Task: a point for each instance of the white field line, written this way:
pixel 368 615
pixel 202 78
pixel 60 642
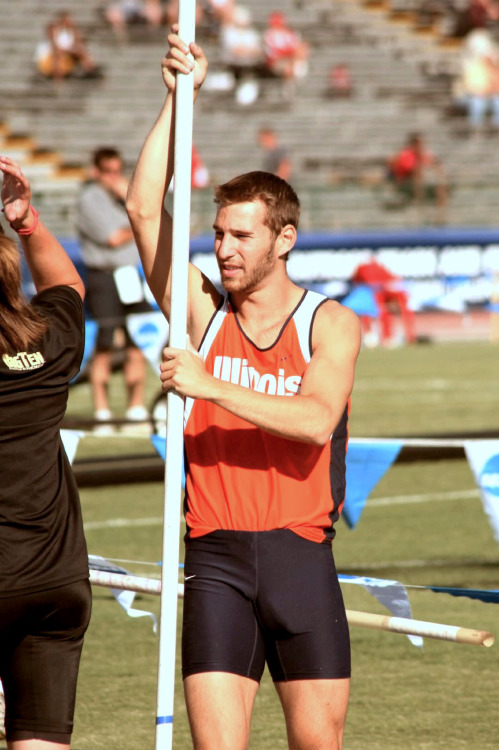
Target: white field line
pixel 379 502
pixel 120 523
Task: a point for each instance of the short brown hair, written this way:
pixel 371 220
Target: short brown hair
pixel 280 200
pixel 105 153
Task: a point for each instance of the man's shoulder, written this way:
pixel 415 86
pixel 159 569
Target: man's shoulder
pixel 92 191
pixel 334 315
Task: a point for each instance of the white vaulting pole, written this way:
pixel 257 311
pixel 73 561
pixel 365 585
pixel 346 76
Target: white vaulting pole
pixel 175 404
pixel 420 627
pixel 388 623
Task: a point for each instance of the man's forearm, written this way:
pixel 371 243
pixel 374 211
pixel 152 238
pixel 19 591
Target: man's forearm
pixel 303 418
pixel 298 417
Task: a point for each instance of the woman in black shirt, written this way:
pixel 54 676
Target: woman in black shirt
pixel 45 598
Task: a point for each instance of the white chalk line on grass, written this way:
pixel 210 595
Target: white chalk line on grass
pixel 379 502
pixel 121 523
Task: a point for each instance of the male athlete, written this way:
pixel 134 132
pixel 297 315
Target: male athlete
pixel 267 396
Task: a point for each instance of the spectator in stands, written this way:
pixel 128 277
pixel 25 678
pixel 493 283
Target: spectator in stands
pixel 122 13
pixel 64 51
pixel 390 297
pixel 479 82
pixel 286 53
pixel 221 10
pixel 242 52
pixel 200 177
pixel 339 81
pixel 418 175
pixel 276 158
pixel 478 14
pixel 170 15
pixel 114 288
pixel 210 14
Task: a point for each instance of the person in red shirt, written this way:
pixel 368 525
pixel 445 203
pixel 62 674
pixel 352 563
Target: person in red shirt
pixel 286 54
pixel 389 294
pixel 339 81
pixel 418 174
pixel 200 177
pixel 267 399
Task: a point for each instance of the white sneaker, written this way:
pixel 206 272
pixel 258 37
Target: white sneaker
pixel 103 415
pixel 139 417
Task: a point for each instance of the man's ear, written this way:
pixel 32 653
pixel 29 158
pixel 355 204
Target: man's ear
pixel 286 240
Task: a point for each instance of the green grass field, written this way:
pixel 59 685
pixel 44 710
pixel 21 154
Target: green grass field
pixel 441 698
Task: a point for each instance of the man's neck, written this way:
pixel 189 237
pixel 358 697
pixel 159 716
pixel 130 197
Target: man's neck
pixel 262 313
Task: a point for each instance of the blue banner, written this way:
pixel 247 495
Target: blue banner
pixel 367 463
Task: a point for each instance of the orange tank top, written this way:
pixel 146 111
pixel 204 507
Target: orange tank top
pixel 240 477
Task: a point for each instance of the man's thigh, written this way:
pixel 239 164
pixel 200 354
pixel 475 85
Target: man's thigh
pixel 219 707
pixel 300 609
pixel 220 630
pixel 315 712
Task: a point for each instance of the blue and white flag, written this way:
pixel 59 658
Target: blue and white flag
pixel 367 462
pixel 392 594
pixel 483 457
pixel 123 597
pixel 70 440
pixel 149 331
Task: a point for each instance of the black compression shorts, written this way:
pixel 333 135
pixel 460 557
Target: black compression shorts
pixel 41 638
pixel 263 597
pixel 103 304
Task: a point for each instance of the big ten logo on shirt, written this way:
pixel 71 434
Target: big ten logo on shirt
pixel 24 361
pixel 236 370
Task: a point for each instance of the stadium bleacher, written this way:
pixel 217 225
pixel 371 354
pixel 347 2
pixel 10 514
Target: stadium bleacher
pixel 402 74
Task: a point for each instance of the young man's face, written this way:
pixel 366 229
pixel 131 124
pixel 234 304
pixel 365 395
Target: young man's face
pixel 244 246
pixel 109 171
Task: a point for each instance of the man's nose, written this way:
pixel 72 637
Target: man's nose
pixel 225 247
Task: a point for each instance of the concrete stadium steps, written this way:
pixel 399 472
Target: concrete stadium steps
pixel 393 95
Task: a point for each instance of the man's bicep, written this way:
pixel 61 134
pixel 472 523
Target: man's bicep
pixel 330 373
pixel 329 379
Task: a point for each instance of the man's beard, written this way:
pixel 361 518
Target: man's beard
pixel 250 281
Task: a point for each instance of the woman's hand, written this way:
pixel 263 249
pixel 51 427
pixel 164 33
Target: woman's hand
pixel 16 193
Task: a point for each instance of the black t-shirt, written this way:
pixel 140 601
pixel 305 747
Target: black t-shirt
pixel 41 531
